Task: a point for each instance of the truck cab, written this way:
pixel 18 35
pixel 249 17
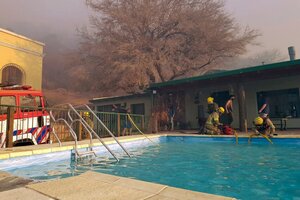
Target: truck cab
pixel 31 121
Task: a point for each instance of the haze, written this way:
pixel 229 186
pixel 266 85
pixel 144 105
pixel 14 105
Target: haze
pixel 277 20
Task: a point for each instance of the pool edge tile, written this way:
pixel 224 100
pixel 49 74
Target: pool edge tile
pixel 81 146
pixel 63 148
pixel 4 156
pixel 41 151
pixel 20 154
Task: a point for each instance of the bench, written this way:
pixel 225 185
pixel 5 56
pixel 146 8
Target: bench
pixel 280 122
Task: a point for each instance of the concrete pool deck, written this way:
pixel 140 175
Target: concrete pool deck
pixel 91 185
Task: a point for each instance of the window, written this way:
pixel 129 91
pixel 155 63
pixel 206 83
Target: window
pixel 283 103
pixel 30 103
pixel 6 100
pixel 138 109
pixel 12 75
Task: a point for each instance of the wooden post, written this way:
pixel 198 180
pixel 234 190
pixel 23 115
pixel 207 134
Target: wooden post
pixel 10 126
pixel 119 125
pixel 149 125
pixel 143 123
pixel 154 115
pixel 155 123
pixel 242 107
pixel 79 127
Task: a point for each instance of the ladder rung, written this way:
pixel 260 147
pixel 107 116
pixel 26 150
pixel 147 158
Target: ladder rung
pixel 86 153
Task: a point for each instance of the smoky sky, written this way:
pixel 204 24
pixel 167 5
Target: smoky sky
pixel 277 20
pixel 46 20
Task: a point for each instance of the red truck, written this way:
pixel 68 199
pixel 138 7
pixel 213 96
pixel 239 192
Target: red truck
pixel 31 120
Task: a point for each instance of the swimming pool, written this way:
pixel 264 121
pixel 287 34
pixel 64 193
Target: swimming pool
pixel 213 165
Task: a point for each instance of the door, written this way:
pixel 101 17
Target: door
pixel 221 97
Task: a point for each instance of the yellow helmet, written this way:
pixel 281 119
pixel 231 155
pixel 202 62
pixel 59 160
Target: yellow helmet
pixel 210 100
pixel 221 110
pixel 86 114
pixel 258 121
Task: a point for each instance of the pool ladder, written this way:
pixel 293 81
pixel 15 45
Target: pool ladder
pixel 69 124
pixel 92 132
pixel 90 152
pixel 73 134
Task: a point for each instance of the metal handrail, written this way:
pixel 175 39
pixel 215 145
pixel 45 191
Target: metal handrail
pixel 85 127
pixel 105 127
pixel 95 134
pixel 53 130
pixel 71 130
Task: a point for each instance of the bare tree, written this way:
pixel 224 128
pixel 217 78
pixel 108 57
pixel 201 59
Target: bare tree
pixel 136 42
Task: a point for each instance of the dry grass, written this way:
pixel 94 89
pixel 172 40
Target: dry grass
pixel 60 96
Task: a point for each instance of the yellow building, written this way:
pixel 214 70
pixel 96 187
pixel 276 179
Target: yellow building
pixel 21 60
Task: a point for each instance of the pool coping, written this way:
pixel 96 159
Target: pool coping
pixel 51 148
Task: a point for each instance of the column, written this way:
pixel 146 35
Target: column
pixel 242 107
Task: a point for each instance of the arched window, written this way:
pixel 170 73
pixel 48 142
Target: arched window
pixel 12 75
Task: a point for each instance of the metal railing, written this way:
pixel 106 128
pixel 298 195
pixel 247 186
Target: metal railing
pixel 28 125
pixel 117 122
pixel 105 127
pixel 90 129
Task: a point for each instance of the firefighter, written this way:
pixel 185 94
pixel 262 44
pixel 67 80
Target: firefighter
pixel 211 105
pixel 263 125
pixel 212 124
pixel 87 118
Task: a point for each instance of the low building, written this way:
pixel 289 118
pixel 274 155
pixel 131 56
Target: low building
pixel 280 82
pixel 21 60
pixel 139 104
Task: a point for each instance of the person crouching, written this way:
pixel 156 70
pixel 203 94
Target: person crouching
pixel 263 125
pixel 212 124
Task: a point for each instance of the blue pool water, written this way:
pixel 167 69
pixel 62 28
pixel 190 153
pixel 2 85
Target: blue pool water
pixel 213 165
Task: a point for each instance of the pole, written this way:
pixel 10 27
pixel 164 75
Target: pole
pixel 242 107
pixel 79 129
pixel 10 126
pixel 119 125
pixel 143 123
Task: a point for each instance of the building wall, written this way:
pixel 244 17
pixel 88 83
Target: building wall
pixel 251 89
pixel 23 53
pixel 267 85
pixel 203 93
pixel 146 100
